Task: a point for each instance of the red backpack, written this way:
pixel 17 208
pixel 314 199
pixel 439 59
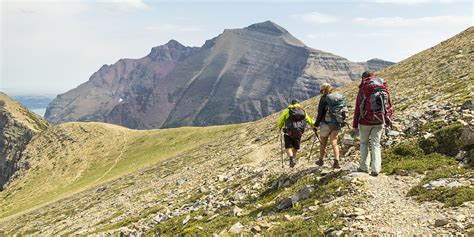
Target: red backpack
pixel 375 105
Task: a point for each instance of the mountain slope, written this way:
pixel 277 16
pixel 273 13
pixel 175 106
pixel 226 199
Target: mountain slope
pixel 17 126
pixel 198 190
pixel 241 75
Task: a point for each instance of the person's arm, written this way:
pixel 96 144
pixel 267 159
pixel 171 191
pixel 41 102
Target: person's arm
pixel 283 118
pixel 309 120
pixel 321 111
pixel 355 121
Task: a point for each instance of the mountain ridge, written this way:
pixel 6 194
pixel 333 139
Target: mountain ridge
pixel 238 76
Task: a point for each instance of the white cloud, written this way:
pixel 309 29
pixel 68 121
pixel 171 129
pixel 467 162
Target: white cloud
pixel 401 21
pixel 316 17
pixel 123 5
pixel 173 28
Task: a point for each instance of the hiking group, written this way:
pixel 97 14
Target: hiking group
pixel 372 113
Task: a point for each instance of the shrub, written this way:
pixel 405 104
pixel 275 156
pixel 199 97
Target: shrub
pixel 448 139
pixel 408 149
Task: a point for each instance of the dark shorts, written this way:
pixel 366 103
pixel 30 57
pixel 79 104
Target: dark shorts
pixel 292 142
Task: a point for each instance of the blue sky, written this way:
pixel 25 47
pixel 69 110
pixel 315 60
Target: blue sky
pixel 53 46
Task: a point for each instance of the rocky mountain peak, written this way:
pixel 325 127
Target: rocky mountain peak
pixel 168 52
pixel 267 27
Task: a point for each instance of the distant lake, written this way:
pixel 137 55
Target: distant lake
pixel 40 112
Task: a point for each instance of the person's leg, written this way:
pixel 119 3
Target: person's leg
pixel 335 148
pixel 364 131
pixel 289 152
pixel 322 147
pixel 376 153
pixel 324 134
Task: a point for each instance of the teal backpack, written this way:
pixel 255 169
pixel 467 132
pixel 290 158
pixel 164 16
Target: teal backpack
pixel 337 112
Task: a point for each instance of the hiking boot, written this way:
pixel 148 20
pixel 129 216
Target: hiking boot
pixel 335 165
pixel 292 162
pixel 320 162
pixel 375 174
pixel 361 170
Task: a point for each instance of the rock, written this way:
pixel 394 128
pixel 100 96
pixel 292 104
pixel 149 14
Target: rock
pixel 354 175
pixel 286 203
pixel 256 229
pixel 281 182
pixel 350 166
pixel 101 189
pixel 348 140
pixel 238 197
pixel 460 218
pixel 222 178
pixel 441 222
pixel 401 172
pixel 256 186
pixel 181 180
pixel 393 133
pixel 236 211
pixel 162 217
pixel 329 198
pixel 461 155
pixel 358 212
pixel 443 182
pixel 186 219
pixel 288 217
pixel 313 208
pixel 237 228
pixel 458 226
pixel 467 136
pixel 203 190
pixel 468 104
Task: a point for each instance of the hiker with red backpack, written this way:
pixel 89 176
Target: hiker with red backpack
pixel 293 123
pixel 332 113
pixel 372 114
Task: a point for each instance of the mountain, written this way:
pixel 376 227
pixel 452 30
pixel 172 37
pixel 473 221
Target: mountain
pixel 241 75
pixel 99 179
pixel 18 125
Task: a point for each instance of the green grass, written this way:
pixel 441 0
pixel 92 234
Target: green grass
pixel 83 164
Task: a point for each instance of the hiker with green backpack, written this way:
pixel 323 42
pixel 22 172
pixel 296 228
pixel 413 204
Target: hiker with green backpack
pixel 292 124
pixel 332 113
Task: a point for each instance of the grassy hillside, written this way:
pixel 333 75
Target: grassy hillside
pixel 212 169
pixel 72 157
pixel 22 114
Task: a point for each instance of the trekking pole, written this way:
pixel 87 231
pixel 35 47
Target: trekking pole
pixel 312 145
pixel 281 148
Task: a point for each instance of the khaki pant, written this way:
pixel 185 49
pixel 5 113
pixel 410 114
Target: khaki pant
pixel 370 134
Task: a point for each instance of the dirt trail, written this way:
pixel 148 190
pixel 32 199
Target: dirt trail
pixel 124 141
pixel 389 210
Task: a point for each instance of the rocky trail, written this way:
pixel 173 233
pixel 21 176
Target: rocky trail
pixel 388 210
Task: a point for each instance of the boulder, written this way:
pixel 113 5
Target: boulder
pixel 237 228
pixel 467 136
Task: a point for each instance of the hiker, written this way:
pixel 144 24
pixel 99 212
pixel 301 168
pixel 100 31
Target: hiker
pixel 372 114
pixel 332 112
pixel 293 122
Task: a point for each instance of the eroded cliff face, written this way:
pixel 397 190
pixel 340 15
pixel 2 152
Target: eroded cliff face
pixel 17 127
pixel 241 75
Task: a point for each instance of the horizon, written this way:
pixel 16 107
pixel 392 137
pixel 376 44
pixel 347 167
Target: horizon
pixel 89 34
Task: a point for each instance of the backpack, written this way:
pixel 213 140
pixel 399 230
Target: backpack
pixel 337 111
pixel 296 122
pixel 375 105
